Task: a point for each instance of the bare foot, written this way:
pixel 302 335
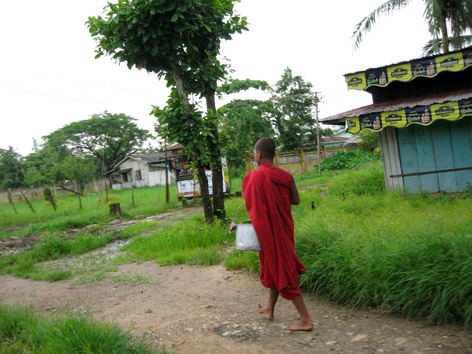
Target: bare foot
pixel 301 325
pixel 265 311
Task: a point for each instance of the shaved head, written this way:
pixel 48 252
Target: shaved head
pixel 266 146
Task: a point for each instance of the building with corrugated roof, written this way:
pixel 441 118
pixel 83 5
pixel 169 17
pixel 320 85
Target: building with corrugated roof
pixel 422 110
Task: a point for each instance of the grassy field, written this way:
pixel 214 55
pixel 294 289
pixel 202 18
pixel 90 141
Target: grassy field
pixel 407 254
pixel 69 215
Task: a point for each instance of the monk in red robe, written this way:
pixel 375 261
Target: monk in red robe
pixel 269 192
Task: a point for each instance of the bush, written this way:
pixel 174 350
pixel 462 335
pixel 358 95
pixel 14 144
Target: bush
pixel 367 179
pixel 348 159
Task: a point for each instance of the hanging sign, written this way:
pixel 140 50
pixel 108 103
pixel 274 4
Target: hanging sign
pixel 405 72
pixel 422 115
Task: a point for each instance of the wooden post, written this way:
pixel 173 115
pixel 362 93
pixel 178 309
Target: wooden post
pixel 115 209
pixel 302 161
pixel 277 159
pixel 324 153
pixel 248 162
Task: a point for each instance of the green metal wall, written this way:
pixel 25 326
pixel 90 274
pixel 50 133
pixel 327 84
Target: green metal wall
pixel 441 146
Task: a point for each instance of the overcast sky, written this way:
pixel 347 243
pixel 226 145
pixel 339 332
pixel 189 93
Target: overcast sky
pixel 49 77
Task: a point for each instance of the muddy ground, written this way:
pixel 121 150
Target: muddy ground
pixel 196 309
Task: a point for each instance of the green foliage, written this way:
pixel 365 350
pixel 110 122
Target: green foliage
pixel 370 140
pixel 176 39
pixel 22 330
pixel 348 159
pixel 439 14
pixel 245 122
pixel 295 121
pixel 11 169
pixel 367 179
pixel 106 137
pixel 236 85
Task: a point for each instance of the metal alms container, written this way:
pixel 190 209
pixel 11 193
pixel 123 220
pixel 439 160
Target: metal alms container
pixel 246 238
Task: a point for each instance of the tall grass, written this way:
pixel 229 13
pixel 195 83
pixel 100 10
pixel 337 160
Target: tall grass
pixel 22 330
pixel 405 254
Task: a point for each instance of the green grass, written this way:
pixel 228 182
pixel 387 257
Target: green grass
pixel 24 331
pixel 188 242
pixel 70 216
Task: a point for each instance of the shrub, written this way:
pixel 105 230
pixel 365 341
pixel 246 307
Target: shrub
pixel 348 159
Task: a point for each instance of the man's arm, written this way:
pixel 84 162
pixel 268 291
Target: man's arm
pixel 294 197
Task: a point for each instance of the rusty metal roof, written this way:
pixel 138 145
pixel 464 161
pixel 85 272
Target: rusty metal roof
pixel 396 105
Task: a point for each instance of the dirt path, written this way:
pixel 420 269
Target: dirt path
pixel 211 310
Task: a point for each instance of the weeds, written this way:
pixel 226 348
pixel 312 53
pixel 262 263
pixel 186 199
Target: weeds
pixel 21 330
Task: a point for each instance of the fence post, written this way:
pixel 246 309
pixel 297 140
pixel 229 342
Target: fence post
pixel 248 162
pixel 277 158
pixel 302 161
pixel 324 152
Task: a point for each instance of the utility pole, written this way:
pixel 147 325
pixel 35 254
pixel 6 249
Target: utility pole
pixel 166 171
pixel 318 143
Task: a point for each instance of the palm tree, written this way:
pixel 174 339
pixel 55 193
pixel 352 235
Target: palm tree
pixel 440 15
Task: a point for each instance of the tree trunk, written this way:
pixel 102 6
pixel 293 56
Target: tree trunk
pixel 445 37
pixel 206 200
pixel 204 192
pixel 217 175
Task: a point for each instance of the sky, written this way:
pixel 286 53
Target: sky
pixel 49 76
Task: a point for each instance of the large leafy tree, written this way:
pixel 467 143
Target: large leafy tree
pixel 439 14
pixel 245 121
pixel 294 121
pixel 179 40
pixel 11 169
pixel 105 136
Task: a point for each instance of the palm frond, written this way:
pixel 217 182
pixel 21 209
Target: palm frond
pixel 434 46
pixel 365 25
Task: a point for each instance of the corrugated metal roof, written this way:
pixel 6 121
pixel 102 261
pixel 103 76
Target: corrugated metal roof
pixel 409 61
pixel 149 158
pixel 393 106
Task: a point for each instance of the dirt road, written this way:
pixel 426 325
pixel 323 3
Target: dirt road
pixel 211 310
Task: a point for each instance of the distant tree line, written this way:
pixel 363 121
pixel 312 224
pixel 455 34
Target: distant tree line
pixel 80 152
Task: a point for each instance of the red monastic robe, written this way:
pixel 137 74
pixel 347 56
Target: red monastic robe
pixel 267 194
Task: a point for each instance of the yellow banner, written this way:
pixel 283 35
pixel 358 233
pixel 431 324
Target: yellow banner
pixel 422 115
pixel 400 72
pixel 451 62
pixel 405 72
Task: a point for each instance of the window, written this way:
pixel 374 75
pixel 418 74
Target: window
pixel 138 175
pixel 125 177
